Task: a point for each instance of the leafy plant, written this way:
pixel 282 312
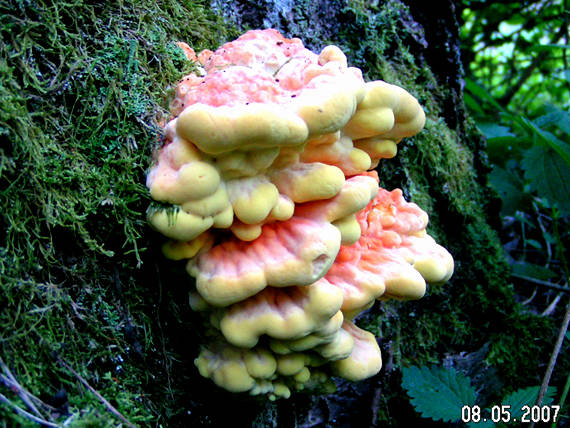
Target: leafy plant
pixel 518 52
pixel 531 173
pixel 440 393
pixel 518 55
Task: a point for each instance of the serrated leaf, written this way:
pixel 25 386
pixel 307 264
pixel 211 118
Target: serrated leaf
pixel 532 270
pixel 556 117
pixel 438 393
pixel 526 397
pixel 561 147
pixel 546 138
pixel 549 175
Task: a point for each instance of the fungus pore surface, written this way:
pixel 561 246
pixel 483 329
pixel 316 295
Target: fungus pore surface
pixel 267 193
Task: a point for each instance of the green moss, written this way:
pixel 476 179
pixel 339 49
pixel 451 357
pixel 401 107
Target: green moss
pixel 519 368
pixel 83 90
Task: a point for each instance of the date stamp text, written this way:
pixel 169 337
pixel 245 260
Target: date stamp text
pixel 506 414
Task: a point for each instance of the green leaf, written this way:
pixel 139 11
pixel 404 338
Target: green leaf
pixel 517 19
pixel 500 149
pixel 549 175
pixel 534 243
pixel 477 90
pixel 494 130
pixel 561 147
pixel 526 397
pixel 549 47
pixel 548 139
pixel 502 144
pixel 532 270
pixel 522 218
pixel 548 237
pixel 438 393
pixel 509 187
pixel 556 117
pixel 472 103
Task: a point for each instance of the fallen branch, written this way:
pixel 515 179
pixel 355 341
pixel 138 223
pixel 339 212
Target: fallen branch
pixel 102 399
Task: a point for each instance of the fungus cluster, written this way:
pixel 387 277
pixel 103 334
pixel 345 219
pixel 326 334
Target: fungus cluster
pixel 277 213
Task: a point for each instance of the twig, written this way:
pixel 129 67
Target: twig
pixel 10 381
pixel 553 357
pixel 543 229
pixel 552 306
pixel 103 400
pixel 543 283
pixel 527 301
pixel 18 390
pixel 28 415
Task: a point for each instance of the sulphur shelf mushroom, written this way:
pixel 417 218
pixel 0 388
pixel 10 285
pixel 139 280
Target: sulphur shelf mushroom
pixel 267 193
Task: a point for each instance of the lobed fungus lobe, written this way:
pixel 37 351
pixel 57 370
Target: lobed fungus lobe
pixel 278 215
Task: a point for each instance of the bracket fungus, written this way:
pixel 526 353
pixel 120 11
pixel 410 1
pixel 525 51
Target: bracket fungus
pixel 268 165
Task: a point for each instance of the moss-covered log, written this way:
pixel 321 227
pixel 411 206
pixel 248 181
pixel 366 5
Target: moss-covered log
pixel 86 297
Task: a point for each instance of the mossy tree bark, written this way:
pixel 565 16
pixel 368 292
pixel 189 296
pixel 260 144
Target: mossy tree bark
pixel 83 282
